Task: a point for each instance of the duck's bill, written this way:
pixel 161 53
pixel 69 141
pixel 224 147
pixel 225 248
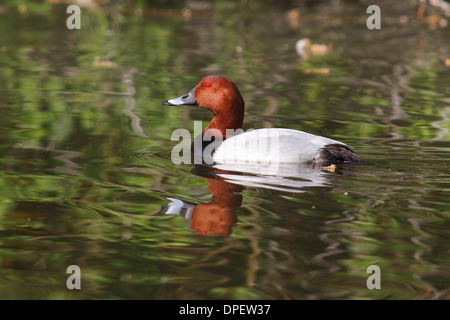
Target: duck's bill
pixel 188 99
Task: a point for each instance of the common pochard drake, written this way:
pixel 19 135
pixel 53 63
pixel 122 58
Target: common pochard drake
pixel 221 96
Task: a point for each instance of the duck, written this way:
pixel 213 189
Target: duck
pixel 221 96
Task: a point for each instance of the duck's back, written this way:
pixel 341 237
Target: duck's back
pixel 281 145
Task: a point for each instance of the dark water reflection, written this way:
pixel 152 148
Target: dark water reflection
pixel 85 154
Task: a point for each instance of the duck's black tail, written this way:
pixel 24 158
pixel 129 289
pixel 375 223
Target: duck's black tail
pixel 335 153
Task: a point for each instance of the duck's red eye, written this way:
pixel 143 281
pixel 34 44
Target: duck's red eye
pixel 208 85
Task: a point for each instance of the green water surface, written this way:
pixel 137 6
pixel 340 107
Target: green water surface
pixel 85 152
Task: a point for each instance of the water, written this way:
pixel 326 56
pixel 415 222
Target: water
pixel 85 154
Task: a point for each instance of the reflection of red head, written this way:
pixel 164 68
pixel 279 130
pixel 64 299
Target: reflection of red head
pixel 218 216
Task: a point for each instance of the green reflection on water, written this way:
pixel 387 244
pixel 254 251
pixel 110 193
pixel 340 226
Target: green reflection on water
pixel 85 154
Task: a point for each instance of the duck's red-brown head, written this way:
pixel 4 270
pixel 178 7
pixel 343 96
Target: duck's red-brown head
pixel 220 95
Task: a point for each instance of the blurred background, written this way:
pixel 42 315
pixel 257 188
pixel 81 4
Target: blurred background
pixel 86 176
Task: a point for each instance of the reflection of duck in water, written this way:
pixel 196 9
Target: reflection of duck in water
pixel 219 216
pixel 216 217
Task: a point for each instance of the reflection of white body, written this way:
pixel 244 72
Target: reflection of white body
pixel 289 177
